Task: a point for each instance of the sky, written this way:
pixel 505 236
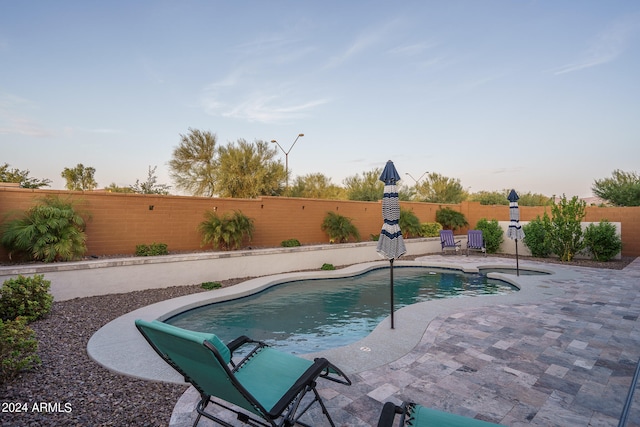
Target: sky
pixel 542 96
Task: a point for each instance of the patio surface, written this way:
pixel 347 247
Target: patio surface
pixel 561 352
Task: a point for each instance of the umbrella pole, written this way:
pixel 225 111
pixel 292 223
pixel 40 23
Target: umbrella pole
pixel 517 262
pixel 391 287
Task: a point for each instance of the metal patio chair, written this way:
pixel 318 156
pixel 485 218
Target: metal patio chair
pixel 447 241
pixel 475 242
pixel 266 386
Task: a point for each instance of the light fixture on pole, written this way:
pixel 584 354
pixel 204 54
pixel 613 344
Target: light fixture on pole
pixel 286 154
pixel 416 180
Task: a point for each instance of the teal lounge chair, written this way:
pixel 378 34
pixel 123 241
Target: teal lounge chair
pixel 475 242
pixel 267 386
pixel 447 241
pixel 415 415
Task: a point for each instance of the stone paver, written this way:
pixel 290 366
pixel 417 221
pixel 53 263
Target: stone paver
pixel 565 361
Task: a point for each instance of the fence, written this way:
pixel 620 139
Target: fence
pixel 118 222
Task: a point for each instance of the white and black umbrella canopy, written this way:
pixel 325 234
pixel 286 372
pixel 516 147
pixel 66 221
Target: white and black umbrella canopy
pixel 515 231
pixel 390 244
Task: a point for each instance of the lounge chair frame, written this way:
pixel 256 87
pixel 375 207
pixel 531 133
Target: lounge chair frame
pixel 447 241
pixel 414 415
pixel 212 360
pixel 476 242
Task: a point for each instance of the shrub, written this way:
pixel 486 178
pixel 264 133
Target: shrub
pixel 430 229
pixel 409 224
pixel 566 229
pixel 326 266
pixel 18 348
pixel 152 249
pixel 26 297
pixel 49 231
pixel 226 232
pixel 290 243
pixel 492 234
pixel 537 236
pixel 602 241
pixel 211 285
pixel 339 228
pixel 451 219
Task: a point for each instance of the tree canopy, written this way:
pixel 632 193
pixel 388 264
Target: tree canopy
pixel 437 188
pixel 367 187
pixel 193 163
pixel 316 186
pixel 8 174
pixel 622 189
pixel 79 178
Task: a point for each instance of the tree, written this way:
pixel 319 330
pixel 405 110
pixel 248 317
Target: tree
pixel 150 186
pixel 21 177
pixel 193 163
pixel 249 170
pixel 365 188
pixel 500 198
pixel 566 229
pixel 79 178
pixel 115 188
pixel 440 189
pixel 622 189
pixel 316 186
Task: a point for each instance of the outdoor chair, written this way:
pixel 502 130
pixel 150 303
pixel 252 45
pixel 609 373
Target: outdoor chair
pixel 447 241
pixel 475 241
pixel 414 415
pixel 265 388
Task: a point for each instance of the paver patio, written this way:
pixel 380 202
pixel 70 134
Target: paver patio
pixel 564 361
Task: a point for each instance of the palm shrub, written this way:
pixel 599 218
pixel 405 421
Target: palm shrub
pixel 451 219
pixel 18 348
pixel 226 232
pixel 537 236
pixel 26 297
pixel 49 231
pixel 339 228
pixel 492 234
pixel 602 241
pixel 409 224
pixel 566 228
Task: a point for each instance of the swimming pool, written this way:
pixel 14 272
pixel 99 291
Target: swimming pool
pixel 305 316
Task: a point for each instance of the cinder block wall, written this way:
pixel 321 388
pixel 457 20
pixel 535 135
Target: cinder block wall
pixel 119 222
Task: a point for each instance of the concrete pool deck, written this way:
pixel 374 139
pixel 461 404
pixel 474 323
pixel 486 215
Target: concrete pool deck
pixel 561 351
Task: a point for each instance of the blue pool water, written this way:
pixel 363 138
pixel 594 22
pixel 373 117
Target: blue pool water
pixel 312 315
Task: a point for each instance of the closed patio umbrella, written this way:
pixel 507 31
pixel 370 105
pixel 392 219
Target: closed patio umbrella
pixel 390 243
pixel 514 231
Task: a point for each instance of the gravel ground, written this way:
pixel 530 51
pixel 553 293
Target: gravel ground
pixel 76 391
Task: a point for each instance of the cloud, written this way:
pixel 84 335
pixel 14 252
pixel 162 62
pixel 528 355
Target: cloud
pixel 271 109
pixel 606 47
pixel 14 123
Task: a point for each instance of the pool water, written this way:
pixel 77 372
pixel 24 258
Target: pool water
pixel 312 315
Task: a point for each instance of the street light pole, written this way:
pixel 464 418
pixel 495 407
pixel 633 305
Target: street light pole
pixel 286 154
pixel 416 180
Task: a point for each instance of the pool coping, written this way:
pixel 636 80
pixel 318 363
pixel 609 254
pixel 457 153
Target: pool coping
pixel 119 347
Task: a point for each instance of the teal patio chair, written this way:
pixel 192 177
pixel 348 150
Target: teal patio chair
pixel 414 415
pixel 475 242
pixel 447 241
pixel 266 387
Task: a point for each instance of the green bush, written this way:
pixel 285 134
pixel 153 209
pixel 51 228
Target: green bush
pixel 537 236
pixel 326 266
pixel 152 249
pixel 451 219
pixel 18 348
pixel 409 224
pixel 226 232
pixel 566 228
pixel 602 241
pixel 492 234
pixel 49 231
pixel 211 285
pixel 430 229
pixel 290 243
pixel 26 297
pixel 339 228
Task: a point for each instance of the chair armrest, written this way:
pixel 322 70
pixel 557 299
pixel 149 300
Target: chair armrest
pixel 388 414
pixel 239 342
